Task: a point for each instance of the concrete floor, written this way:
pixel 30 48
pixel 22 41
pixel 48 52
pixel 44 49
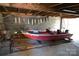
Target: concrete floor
pixel 67 49
pixel 57 49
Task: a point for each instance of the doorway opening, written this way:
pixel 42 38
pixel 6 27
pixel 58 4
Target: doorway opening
pixel 73 26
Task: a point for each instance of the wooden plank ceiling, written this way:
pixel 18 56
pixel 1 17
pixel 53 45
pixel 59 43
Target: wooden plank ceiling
pixel 68 10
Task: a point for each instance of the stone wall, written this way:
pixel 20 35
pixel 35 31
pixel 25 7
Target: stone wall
pixel 1 23
pixel 15 23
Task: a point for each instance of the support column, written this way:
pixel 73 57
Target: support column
pixel 61 21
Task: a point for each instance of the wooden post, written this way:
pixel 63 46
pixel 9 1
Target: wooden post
pixel 11 44
pixel 60 21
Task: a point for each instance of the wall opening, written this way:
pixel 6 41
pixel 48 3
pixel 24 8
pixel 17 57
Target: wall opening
pixel 73 26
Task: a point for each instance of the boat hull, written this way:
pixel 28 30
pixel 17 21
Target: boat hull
pixel 47 36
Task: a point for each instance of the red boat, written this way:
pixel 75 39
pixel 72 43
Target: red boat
pixel 46 36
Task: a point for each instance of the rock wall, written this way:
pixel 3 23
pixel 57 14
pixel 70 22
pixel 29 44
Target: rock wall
pixel 16 23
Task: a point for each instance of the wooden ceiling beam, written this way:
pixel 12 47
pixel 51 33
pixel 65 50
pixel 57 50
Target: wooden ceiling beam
pixel 31 6
pixel 27 9
pixel 52 6
pixel 28 6
pixel 37 7
pixel 77 4
pixel 64 5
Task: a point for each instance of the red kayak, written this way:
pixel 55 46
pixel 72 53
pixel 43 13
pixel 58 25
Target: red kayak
pixel 47 36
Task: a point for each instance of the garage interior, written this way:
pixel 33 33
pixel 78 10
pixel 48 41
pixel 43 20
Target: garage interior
pixel 16 18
